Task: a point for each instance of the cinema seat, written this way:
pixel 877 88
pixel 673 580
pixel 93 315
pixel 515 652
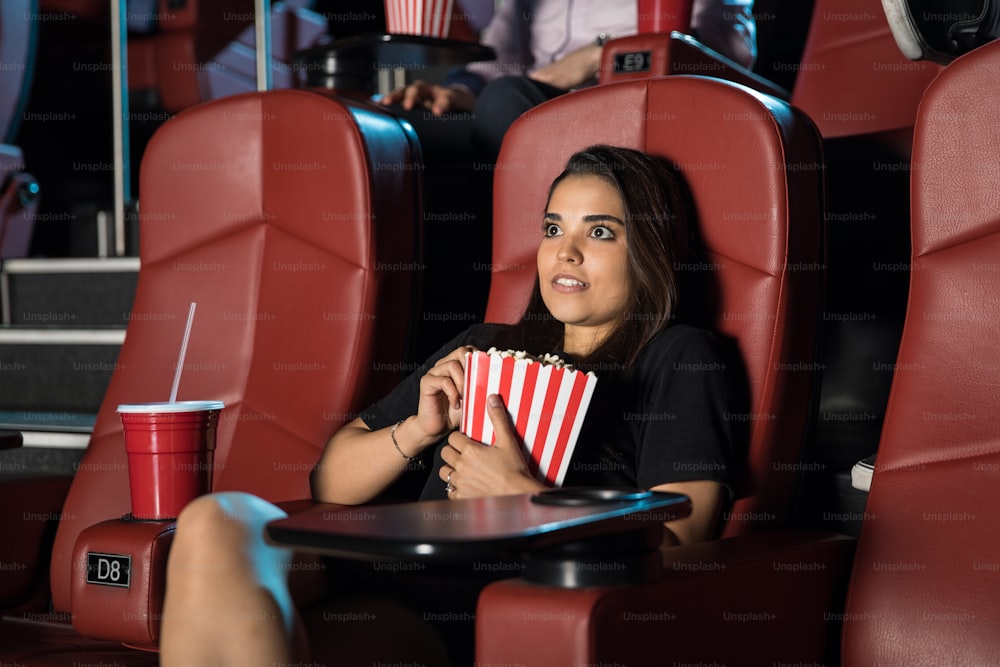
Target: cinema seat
pixel 661 54
pixel 652 54
pixel 863 94
pixel 232 69
pixel 754 170
pixel 260 208
pixel 924 585
pixel 201 50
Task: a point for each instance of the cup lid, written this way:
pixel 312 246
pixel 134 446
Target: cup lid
pixel 166 406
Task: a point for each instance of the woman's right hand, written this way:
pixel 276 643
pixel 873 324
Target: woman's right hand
pixel 439 99
pixel 440 409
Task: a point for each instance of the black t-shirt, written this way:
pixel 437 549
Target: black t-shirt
pixel 672 417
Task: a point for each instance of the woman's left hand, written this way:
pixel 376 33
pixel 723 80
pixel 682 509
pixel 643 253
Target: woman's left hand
pixel 473 469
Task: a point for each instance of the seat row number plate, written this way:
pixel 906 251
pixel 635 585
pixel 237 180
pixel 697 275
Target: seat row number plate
pixel 108 569
pixel 633 61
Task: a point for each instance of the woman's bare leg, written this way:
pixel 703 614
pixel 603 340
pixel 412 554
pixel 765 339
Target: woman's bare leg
pixel 227 600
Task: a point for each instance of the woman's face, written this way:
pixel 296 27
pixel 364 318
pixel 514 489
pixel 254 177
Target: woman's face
pixel 583 260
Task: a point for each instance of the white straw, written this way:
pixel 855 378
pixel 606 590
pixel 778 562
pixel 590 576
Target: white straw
pixel 180 359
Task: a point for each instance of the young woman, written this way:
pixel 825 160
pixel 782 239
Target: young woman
pixel 612 232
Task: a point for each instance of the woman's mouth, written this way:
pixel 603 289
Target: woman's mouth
pixel 568 284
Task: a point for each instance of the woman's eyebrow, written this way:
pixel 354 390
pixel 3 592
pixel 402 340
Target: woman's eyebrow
pixel 593 218
pixel 603 217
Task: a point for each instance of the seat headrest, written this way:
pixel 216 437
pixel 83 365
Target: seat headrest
pixel 942 30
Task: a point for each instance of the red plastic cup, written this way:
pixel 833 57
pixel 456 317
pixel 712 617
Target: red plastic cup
pixel 664 16
pixel 171 449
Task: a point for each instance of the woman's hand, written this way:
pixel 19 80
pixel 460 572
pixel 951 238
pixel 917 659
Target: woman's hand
pixel 473 469
pixel 440 408
pixel 439 99
pixel 574 70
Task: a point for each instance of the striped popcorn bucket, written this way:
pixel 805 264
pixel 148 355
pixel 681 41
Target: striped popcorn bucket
pixel 546 405
pixel 430 18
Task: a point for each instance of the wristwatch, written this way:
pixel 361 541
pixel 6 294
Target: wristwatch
pixel 603 38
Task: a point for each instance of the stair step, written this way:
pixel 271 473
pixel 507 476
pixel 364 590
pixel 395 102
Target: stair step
pixel 68 292
pixel 41 421
pixel 46 430
pixel 56 370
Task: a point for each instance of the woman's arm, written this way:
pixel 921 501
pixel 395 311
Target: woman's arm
pixel 359 463
pixel 707 499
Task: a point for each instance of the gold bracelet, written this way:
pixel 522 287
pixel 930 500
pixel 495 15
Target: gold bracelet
pixel 392 434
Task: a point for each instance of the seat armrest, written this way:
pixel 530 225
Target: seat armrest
pixel 119 577
pixel 660 54
pixel 773 596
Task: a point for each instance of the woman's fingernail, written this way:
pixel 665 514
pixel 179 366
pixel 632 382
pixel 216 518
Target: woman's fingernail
pixel 493 400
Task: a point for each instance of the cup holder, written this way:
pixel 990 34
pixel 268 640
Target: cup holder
pixel 592 495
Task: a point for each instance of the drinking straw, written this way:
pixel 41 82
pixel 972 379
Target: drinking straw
pixel 180 358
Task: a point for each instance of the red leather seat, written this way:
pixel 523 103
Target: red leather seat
pixel 752 164
pixel 647 55
pixel 761 225
pixel 852 79
pixel 232 69
pixel 205 49
pixel 862 93
pixel 261 208
pixel 924 588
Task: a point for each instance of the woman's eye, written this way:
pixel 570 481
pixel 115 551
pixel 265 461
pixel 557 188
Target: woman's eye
pixel 551 230
pixel 602 232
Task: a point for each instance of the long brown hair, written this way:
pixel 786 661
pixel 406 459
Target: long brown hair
pixel 657 232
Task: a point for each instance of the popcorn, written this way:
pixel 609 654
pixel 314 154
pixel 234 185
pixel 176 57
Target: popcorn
pixel 547 358
pixel 546 399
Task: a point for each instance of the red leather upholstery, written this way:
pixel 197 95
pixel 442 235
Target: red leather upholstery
pixel 261 209
pixel 189 36
pixel 133 612
pixel 233 69
pixel 205 49
pixel 925 585
pixel 853 79
pixel 754 600
pixel 32 508
pixel 752 166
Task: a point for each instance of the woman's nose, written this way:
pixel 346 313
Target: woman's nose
pixel 568 250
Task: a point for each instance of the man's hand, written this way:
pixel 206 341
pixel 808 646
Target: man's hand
pixel 439 99
pixel 574 70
